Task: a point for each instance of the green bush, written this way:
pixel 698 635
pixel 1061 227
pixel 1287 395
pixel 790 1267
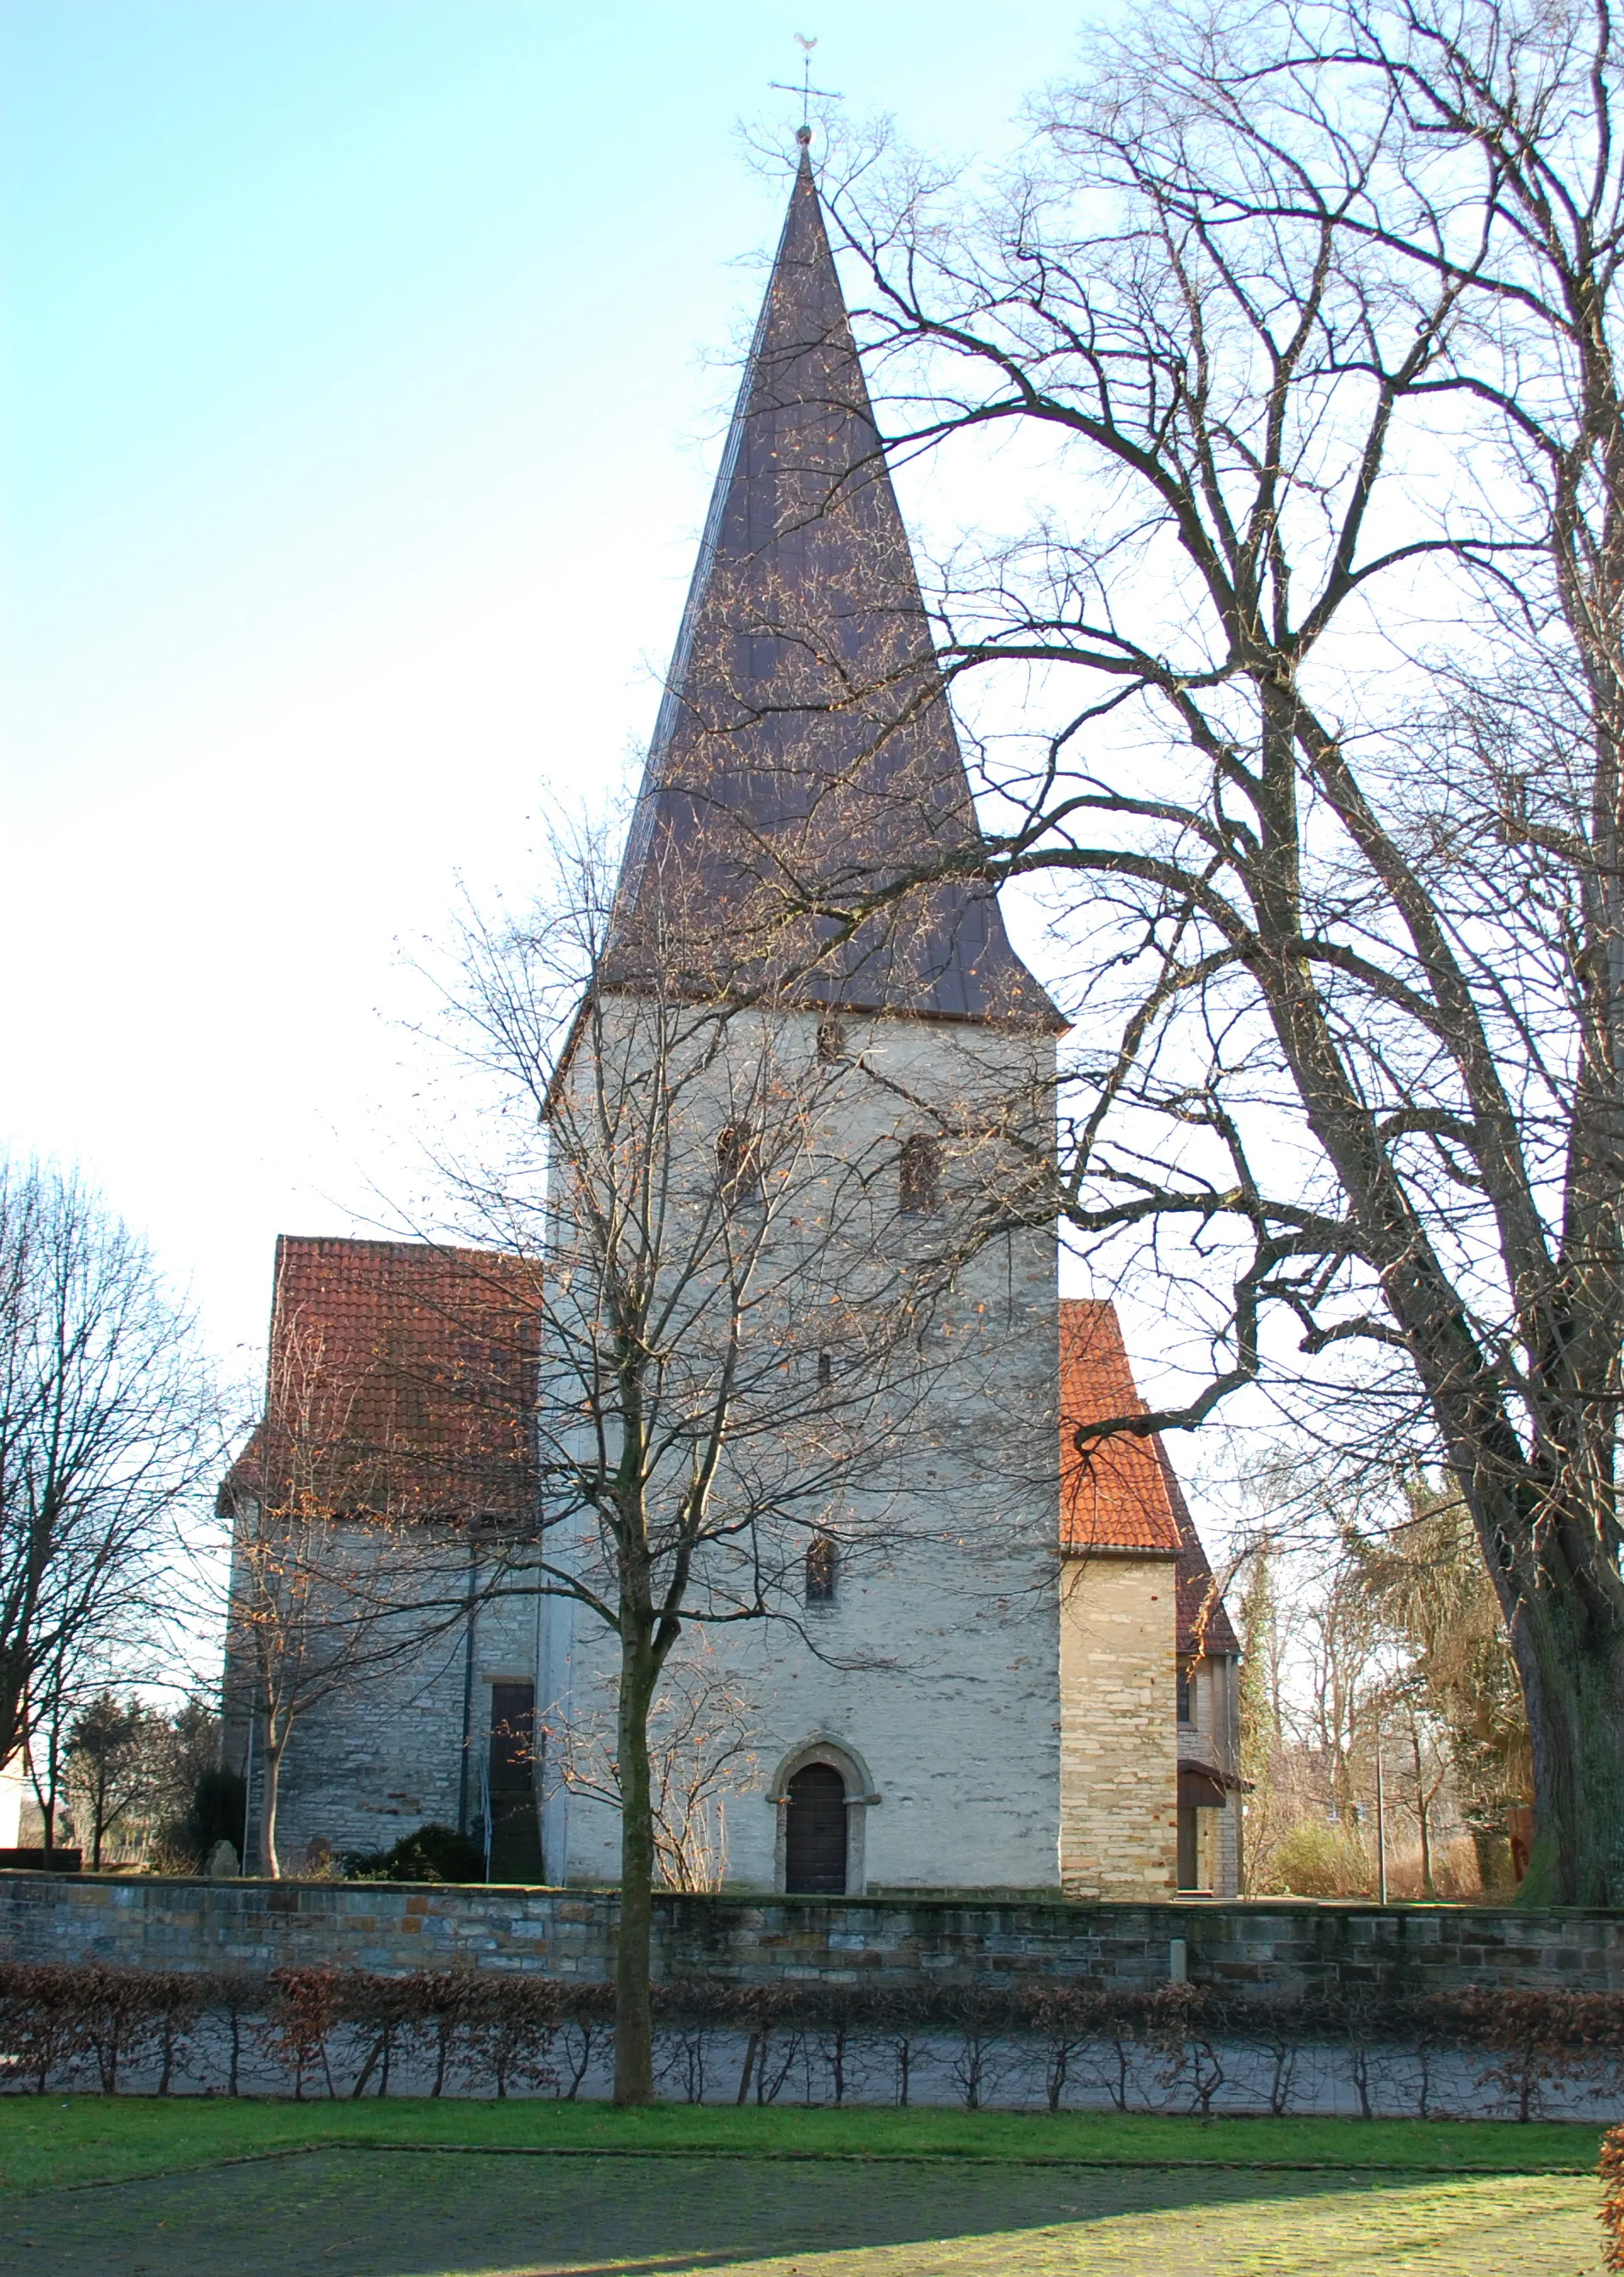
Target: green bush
pixel 1316 1861
pixel 433 1854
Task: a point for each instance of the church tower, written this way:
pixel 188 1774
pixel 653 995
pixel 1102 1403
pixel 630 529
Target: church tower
pixel 931 1642
pixel 898 1709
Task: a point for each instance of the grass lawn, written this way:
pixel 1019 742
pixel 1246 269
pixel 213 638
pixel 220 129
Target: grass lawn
pixel 57 2141
pixel 191 2187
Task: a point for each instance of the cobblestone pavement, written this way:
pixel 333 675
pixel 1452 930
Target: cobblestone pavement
pixel 364 2213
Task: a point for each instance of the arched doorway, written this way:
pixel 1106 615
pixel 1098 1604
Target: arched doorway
pixel 814 1833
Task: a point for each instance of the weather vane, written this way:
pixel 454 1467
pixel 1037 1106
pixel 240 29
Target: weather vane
pixel 806 90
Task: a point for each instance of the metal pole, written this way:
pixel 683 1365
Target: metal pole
pixel 1381 1826
pixel 248 1787
pixel 467 1695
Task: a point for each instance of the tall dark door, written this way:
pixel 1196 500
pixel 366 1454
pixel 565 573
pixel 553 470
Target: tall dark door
pixel 515 1834
pixel 814 1841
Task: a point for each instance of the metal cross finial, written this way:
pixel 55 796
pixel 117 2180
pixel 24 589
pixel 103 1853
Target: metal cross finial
pixel 806 90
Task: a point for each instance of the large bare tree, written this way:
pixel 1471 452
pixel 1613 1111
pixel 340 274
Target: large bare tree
pixel 1295 329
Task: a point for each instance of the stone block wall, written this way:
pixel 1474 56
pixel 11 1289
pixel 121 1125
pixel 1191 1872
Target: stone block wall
pixel 1266 1947
pixel 1119 1732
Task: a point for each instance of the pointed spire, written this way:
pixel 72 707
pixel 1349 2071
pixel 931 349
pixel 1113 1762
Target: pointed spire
pixel 805 745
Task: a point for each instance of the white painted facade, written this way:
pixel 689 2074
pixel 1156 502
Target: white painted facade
pixel 930 1682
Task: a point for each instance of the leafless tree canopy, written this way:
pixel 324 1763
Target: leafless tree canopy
pixel 106 1430
pixel 1290 344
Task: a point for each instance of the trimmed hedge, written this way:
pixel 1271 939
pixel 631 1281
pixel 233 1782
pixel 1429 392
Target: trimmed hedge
pixel 334 2033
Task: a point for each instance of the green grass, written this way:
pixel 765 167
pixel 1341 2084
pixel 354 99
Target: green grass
pixel 58 2141
pixel 404 2213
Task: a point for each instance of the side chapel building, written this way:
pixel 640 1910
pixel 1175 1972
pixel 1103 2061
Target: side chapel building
pixel 1038 1692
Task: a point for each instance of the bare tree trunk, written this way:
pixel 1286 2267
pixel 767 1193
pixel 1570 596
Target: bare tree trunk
pixel 1423 1812
pixel 270 1772
pixel 1571 1660
pixel 633 2015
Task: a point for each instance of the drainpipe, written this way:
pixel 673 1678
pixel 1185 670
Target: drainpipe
pixel 467 1697
pixel 248 1786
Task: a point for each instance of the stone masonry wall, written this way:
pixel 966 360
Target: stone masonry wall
pixel 1119 1733
pixel 1267 1947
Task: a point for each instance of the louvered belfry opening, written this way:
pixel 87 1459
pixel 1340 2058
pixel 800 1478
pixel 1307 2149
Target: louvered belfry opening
pixel 814 1840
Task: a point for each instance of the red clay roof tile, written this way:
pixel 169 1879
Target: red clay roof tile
pixel 405 1373
pixel 1123 1495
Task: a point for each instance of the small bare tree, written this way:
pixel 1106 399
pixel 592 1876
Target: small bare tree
pixel 107 1429
pixel 700 1754
pixel 739 1325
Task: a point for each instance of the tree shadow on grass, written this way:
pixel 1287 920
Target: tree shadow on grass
pixel 411 2214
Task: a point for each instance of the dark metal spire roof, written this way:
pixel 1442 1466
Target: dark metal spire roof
pixel 804 749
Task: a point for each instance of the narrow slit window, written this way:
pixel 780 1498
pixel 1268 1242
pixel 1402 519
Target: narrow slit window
pixel 831 1040
pixel 825 1371
pixel 821 1567
pixel 920 1172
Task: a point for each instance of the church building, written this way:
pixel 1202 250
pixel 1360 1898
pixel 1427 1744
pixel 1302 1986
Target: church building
pixel 1031 1687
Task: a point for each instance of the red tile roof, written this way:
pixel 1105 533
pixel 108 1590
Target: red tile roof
pixel 1122 1495
pixel 400 1377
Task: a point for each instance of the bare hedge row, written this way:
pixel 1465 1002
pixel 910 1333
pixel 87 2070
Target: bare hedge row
pixel 346 2032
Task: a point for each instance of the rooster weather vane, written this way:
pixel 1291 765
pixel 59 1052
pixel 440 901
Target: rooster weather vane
pixel 806 90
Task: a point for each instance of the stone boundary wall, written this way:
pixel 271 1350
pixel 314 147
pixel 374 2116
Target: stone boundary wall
pixel 1269 1944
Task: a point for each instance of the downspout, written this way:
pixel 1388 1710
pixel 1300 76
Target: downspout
pixel 538 1743
pixel 467 1694
pixel 248 1786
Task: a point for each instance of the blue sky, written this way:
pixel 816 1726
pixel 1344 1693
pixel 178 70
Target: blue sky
pixel 363 367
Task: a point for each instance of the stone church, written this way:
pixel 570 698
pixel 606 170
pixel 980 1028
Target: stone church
pixel 1035 1690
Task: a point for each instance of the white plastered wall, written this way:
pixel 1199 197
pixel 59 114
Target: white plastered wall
pixel 931 1681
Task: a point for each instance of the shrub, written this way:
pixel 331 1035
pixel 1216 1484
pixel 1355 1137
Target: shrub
pixel 119 2012
pixel 509 2026
pixel 42 2019
pixel 1534 2038
pixel 1316 1861
pixel 1611 2168
pixel 304 2008
pixel 433 1854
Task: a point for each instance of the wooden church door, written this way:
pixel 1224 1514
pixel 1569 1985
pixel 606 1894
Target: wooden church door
pixel 814 1839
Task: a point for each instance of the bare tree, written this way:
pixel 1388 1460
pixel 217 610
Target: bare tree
pixel 118 1757
pixel 107 1428
pixel 1427 1585
pixel 740 1319
pixel 700 1754
pixel 1306 318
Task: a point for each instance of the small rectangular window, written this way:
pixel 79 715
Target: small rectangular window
pixel 919 1174
pixel 821 1567
pixel 831 1040
pixel 1185 1712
